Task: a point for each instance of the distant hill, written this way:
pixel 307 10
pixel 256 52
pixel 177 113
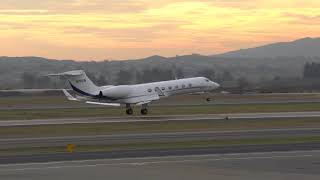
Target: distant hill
pixel 306 47
pixel 284 60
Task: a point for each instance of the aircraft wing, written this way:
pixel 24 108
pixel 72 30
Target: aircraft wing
pixel 103 104
pixel 71 98
pixel 143 99
pixel 143 102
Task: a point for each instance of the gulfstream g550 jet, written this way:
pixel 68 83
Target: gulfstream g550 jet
pixel 139 94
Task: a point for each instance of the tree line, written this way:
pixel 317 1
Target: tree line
pixel 311 70
pixel 125 76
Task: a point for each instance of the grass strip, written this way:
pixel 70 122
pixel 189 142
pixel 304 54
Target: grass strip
pixel 161 145
pixel 149 127
pixel 156 110
pixel 47 100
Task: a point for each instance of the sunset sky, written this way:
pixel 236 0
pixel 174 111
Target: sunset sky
pixel 128 29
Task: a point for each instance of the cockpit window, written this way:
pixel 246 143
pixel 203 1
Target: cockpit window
pixel 207 80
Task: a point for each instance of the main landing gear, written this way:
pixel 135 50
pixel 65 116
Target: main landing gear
pixel 144 110
pixel 129 110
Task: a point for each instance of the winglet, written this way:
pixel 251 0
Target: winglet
pixel 69 96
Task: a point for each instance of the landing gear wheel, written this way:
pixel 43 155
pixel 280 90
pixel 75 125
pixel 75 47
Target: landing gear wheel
pixel 129 111
pixel 144 111
pixel 208 99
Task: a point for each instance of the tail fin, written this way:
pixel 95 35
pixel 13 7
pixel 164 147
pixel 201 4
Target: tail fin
pixel 80 82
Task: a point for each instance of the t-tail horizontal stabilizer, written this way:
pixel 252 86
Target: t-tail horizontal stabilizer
pixel 69 73
pixel 69 96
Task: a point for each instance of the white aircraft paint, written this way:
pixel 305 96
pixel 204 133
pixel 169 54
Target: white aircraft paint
pixel 138 94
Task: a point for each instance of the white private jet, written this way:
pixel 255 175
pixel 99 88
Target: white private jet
pixel 138 94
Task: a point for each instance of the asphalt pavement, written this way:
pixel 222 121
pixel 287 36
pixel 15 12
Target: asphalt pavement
pixel 156 137
pixel 87 120
pixel 291 165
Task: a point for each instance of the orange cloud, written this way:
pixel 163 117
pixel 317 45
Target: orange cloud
pixel 101 29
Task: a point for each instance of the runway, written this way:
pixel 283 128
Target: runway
pixel 293 165
pixel 194 100
pixel 260 161
pixel 86 120
pixel 156 137
pixel 156 104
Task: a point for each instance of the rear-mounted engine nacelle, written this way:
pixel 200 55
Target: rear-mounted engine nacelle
pixel 116 91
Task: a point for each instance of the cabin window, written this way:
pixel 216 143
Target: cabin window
pixel 163 88
pixel 177 87
pixel 170 87
pixel 183 86
pixel 190 85
pixel 149 90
